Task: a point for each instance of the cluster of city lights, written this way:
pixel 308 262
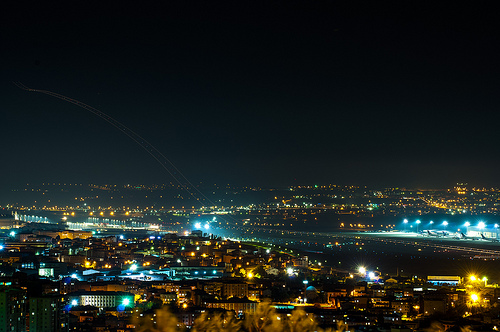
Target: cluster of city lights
pixel 481 225
pixel 125 302
pixel 475 286
pixel 199 226
pixel 364 273
pixel 473 278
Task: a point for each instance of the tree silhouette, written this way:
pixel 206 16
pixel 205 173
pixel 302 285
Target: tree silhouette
pixel 264 319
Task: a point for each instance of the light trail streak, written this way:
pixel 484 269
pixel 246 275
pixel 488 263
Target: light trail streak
pixel 165 163
pixel 143 143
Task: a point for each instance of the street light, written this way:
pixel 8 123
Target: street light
pixel 481 226
pixel 467 224
pixel 305 282
pixel 418 222
pixel 405 222
pixel 445 223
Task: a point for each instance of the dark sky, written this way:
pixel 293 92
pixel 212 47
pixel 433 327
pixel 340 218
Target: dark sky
pixel 387 93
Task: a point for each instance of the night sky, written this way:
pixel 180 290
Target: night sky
pixel 253 93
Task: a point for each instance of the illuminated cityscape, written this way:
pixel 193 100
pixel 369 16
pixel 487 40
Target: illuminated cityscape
pixel 249 167
pixel 340 253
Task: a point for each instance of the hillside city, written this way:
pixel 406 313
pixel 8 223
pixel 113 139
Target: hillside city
pixel 78 280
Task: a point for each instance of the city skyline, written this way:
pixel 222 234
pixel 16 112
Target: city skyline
pixel 249 166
